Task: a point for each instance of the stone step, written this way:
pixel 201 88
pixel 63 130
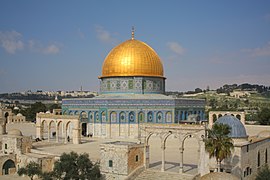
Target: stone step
pixel 157 175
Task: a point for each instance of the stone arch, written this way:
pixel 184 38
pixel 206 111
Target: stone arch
pixel 150 116
pixel 76 112
pixel 51 128
pixel 159 118
pixel 44 129
pixel 148 137
pixel 219 115
pixel 68 131
pixel 165 137
pixel 182 147
pixel 59 130
pixel 238 116
pixel 8 166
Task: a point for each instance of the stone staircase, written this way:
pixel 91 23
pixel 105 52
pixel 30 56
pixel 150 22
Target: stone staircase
pixel 157 175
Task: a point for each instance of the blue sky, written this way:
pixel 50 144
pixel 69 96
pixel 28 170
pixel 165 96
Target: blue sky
pixel 61 45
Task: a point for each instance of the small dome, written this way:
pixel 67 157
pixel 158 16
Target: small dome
pixel 264 134
pixel 19 114
pixel 15 132
pixel 219 176
pixel 237 128
pixel 16 108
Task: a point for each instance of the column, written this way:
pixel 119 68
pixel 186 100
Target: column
pixel 146 156
pixel 49 133
pixel 242 118
pixel 181 165
pixel 65 135
pixel 163 158
pixel 57 134
pixel 210 120
pixel 39 131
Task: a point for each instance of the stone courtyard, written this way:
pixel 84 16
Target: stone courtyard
pixel 92 147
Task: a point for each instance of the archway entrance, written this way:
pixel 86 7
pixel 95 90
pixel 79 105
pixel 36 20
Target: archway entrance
pixel 84 129
pixel 8 167
pixel 172 143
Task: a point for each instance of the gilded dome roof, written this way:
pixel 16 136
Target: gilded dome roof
pixel 132 58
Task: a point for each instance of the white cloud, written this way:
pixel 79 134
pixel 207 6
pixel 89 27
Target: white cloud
pixel 51 49
pixel 176 48
pixel 263 51
pixel 11 41
pixel 38 47
pixel 104 35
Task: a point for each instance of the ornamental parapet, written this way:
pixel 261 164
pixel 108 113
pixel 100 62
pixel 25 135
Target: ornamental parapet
pixel 53 116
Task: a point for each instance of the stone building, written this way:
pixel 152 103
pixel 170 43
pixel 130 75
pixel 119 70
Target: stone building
pixel 19 118
pixel 120 159
pixel 249 154
pixel 132 87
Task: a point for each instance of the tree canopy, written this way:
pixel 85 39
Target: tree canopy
pixel 70 166
pixel 263 173
pixel 30 170
pixel 74 166
pixel 218 144
pixel 264 116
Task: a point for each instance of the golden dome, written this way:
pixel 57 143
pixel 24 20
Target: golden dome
pixel 132 58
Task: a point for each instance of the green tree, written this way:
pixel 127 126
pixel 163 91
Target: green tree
pixel 74 166
pixel 218 144
pixel 30 113
pixel 54 106
pixel 264 116
pixel 263 173
pixel 30 170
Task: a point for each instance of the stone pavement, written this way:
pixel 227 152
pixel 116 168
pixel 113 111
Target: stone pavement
pixel 154 175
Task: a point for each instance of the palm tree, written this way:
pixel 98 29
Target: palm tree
pixel 218 144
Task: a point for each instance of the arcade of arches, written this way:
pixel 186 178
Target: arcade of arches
pixel 214 115
pixel 62 128
pixel 181 133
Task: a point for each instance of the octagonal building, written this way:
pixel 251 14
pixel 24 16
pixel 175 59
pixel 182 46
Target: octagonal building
pixel 132 92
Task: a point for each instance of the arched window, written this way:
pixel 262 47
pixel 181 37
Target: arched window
pixel 103 116
pixel 258 160
pixel 113 117
pixel 169 117
pixel 90 116
pixel 96 116
pixel 159 117
pixel 122 117
pixel 141 117
pixel 150 116
pixel 131 117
